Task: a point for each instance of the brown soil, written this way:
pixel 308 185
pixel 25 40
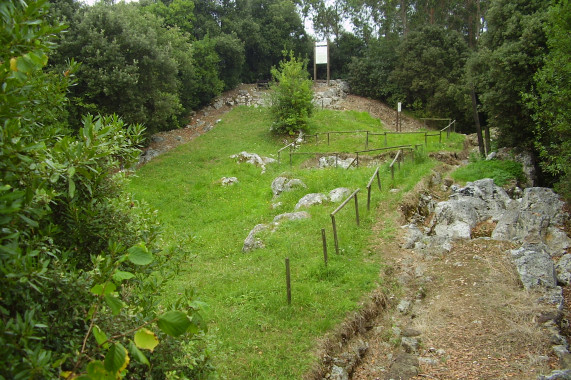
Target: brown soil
pixel 474 319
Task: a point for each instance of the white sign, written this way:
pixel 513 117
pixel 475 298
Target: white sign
pixel 399 106
pixel 320 53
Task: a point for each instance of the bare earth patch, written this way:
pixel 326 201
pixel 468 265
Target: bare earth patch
pixel 468 311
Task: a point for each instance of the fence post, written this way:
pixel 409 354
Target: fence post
pixel 357 159
pixel 356 209
pixel 279 153
pixel 385 138
pixel 290 159
pixel 323 238
pixel 335 234
pixel 425 138
pixel 288 281
pixel 367 141
pixel 393 172
pixel 440 137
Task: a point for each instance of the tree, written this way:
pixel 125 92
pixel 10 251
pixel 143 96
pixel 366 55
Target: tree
pixel 512 52
pixel 429 72
pixel 291 96
pixel 551 102
pixel 69 234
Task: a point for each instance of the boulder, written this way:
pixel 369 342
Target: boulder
pixel 535 219
pixel 281 184
pixel 563 269
pixel 254 159
pixel 292 216
pixel 252 242
pixel 311 200
pixel 339 194
pixel 332 161
pixel 534 266
pixel 228 181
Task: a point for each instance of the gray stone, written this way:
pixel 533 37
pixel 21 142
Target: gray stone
pixel 404 367
pixel 148 155
pixel 332 161
pixel 491 156
pixel 157 139
pixel 278 185
pixel 254 159
pixel 404 306
pixel 339 194
pixel 292 216
pixel 312 199
pixel 252 242
pixel 414 235
pixel 338 373
pixel 563 269
pixel 534 266
pixel 556 375
pixel 293 184
pixel 410 344
pixel 228 181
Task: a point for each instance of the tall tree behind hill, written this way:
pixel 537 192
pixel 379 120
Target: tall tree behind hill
pixel 513 49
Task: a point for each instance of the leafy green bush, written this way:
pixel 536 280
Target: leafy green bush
pixel 291 96
pixel 500 171
pixel 80 267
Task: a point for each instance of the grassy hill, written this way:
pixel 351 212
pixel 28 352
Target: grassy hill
pixel 254 333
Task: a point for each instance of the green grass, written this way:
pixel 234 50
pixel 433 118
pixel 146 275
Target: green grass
pixel 256 334
pixel 500 171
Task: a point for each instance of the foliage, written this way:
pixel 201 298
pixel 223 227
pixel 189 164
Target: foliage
pixel 80 269
pixel 499 170
pixel 551 105
pixel 429 72
pixel 513 49
pixel 291 96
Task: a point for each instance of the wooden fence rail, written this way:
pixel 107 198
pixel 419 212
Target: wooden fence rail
pixel 334 224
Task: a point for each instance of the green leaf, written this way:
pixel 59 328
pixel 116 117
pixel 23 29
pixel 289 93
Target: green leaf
pixel 114 303
pixel 105 288
pixel 71 188
pixel 121 276
pixel 139 255
pixel 100 337
pixel 146 339
pixel 138 354
pixel 116 358
pixel 96 370
pixel 174 323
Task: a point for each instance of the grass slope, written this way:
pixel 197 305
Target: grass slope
pixel 256 334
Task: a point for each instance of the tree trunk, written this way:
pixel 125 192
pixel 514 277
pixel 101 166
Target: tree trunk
pixel 477 122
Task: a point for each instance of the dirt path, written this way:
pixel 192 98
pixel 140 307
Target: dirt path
pixel 460 314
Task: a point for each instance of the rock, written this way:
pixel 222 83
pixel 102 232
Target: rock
pixel 404 306
pixel 413 236
pixel 491 156
pixel 410 344
pixel 332 161
pixel 157 139
pixel 293 184
pixel 535 219
pixel 563 269
pixel 410 332
pixel 148 155
pixel 556 375
pixel 228 181
pixel 278 185
pixel 427 361
pixel 534 266
pixel 252 242
pixel 404 367
pixel 292 216
pixel 339 194
pixel 311 200
pixel 254 159
pixel 338 373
